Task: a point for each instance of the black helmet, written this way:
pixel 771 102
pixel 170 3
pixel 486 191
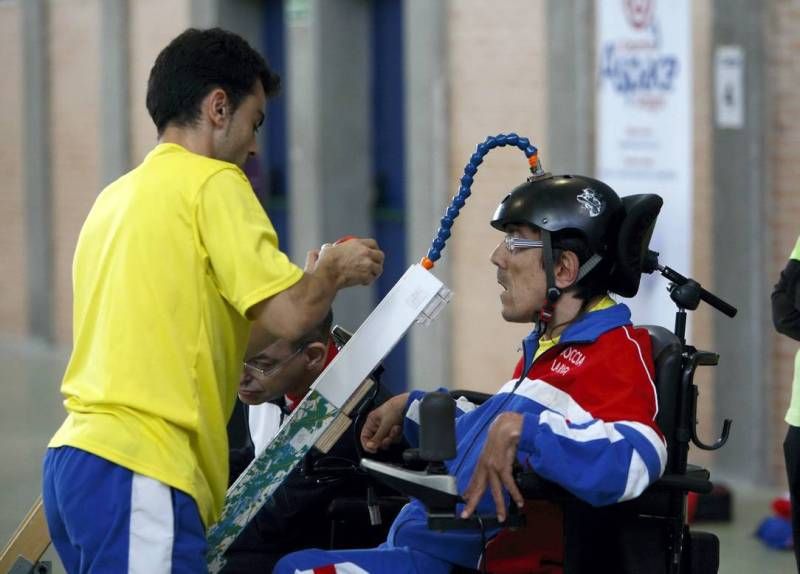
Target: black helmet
pixel 565 202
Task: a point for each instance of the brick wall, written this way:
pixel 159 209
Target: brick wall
pixel 496 85
pixel 74 51
pixel 153 23
pixel 76 131
pixel 702 262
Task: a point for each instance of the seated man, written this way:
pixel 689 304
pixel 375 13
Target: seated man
pixel 580 410
pixel 272 384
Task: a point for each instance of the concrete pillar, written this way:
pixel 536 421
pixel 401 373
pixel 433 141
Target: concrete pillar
pixel 741 184
pixel 13 224
pixel 497 58
pixel 570 87
pixel 38 208
pixel 152 24
pixel 75 128
pixel 115 132
pixel 328 121
pixel 204 13
pixel 427 189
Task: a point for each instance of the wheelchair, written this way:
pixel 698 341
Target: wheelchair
pixel 649 534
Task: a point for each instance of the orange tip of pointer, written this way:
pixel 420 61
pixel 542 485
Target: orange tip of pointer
pixel 426 263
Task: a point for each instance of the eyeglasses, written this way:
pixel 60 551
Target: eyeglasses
pixel 260 373
pixel 514 243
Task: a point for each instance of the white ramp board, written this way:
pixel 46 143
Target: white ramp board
pixel 417 297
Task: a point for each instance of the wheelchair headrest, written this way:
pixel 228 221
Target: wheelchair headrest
pixel 633 241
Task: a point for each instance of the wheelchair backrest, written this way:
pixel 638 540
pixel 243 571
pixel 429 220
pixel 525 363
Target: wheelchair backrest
pixel 667 360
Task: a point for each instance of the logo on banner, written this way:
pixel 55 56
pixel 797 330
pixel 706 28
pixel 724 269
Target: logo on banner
pixel 639 13
pixel 636 65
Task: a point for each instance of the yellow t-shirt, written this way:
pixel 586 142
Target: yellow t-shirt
pixel 545 343
pixel 169 260
pixel 796 251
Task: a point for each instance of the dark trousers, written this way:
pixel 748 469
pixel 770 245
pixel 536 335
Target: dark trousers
pixel 791 453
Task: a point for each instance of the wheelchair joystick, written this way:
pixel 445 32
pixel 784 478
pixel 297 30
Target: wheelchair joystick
pixel 434 487
pixel 437 440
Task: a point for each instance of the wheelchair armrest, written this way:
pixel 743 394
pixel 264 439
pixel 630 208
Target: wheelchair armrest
pixel 439 495
pixel 696 479
pixel 475 397
pixel 533 486
pixel 437 491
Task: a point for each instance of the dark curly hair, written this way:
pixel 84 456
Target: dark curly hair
pixel 196 62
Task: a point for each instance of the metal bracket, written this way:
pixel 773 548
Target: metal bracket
pixel 24 566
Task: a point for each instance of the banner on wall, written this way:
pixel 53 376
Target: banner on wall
pixel 644 127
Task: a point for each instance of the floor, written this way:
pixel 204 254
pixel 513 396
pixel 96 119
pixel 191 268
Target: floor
pixel 31 411
pixel 740 551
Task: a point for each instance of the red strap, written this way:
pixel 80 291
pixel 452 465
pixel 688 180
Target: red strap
pixel 538 548
pixel 332 351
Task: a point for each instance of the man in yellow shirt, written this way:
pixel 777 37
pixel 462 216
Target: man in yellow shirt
pixel 176 274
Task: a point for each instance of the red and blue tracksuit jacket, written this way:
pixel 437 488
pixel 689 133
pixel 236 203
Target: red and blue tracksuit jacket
pixel 589 406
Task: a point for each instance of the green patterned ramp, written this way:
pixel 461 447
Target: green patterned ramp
pixel 248 494
pixel 417 297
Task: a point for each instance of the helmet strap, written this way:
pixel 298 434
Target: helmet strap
pixel 590 264
pixel 553 292
pixel 544 317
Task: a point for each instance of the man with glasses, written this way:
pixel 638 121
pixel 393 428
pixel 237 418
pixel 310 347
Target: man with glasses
pixel 579 410
pixel 272 384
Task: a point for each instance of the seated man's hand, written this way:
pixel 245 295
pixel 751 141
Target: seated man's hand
pixel 384 425
pixel 494 466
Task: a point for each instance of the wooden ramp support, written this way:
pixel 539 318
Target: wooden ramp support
pixel 29 541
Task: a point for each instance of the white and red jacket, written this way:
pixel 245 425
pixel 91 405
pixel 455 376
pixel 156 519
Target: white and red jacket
pixel 589 406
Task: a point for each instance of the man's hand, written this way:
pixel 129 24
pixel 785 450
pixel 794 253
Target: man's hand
pixel 384 425
pixel 353 262
pixel 495 465
pixel 311 260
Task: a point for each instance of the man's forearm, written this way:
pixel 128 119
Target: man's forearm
pixel 291 313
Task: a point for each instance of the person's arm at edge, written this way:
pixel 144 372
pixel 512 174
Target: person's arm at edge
pixel 785 295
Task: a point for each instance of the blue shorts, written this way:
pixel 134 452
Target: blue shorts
pixel 105 518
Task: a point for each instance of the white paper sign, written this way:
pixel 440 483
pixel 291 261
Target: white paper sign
pixel 729 86
pixel 644 126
